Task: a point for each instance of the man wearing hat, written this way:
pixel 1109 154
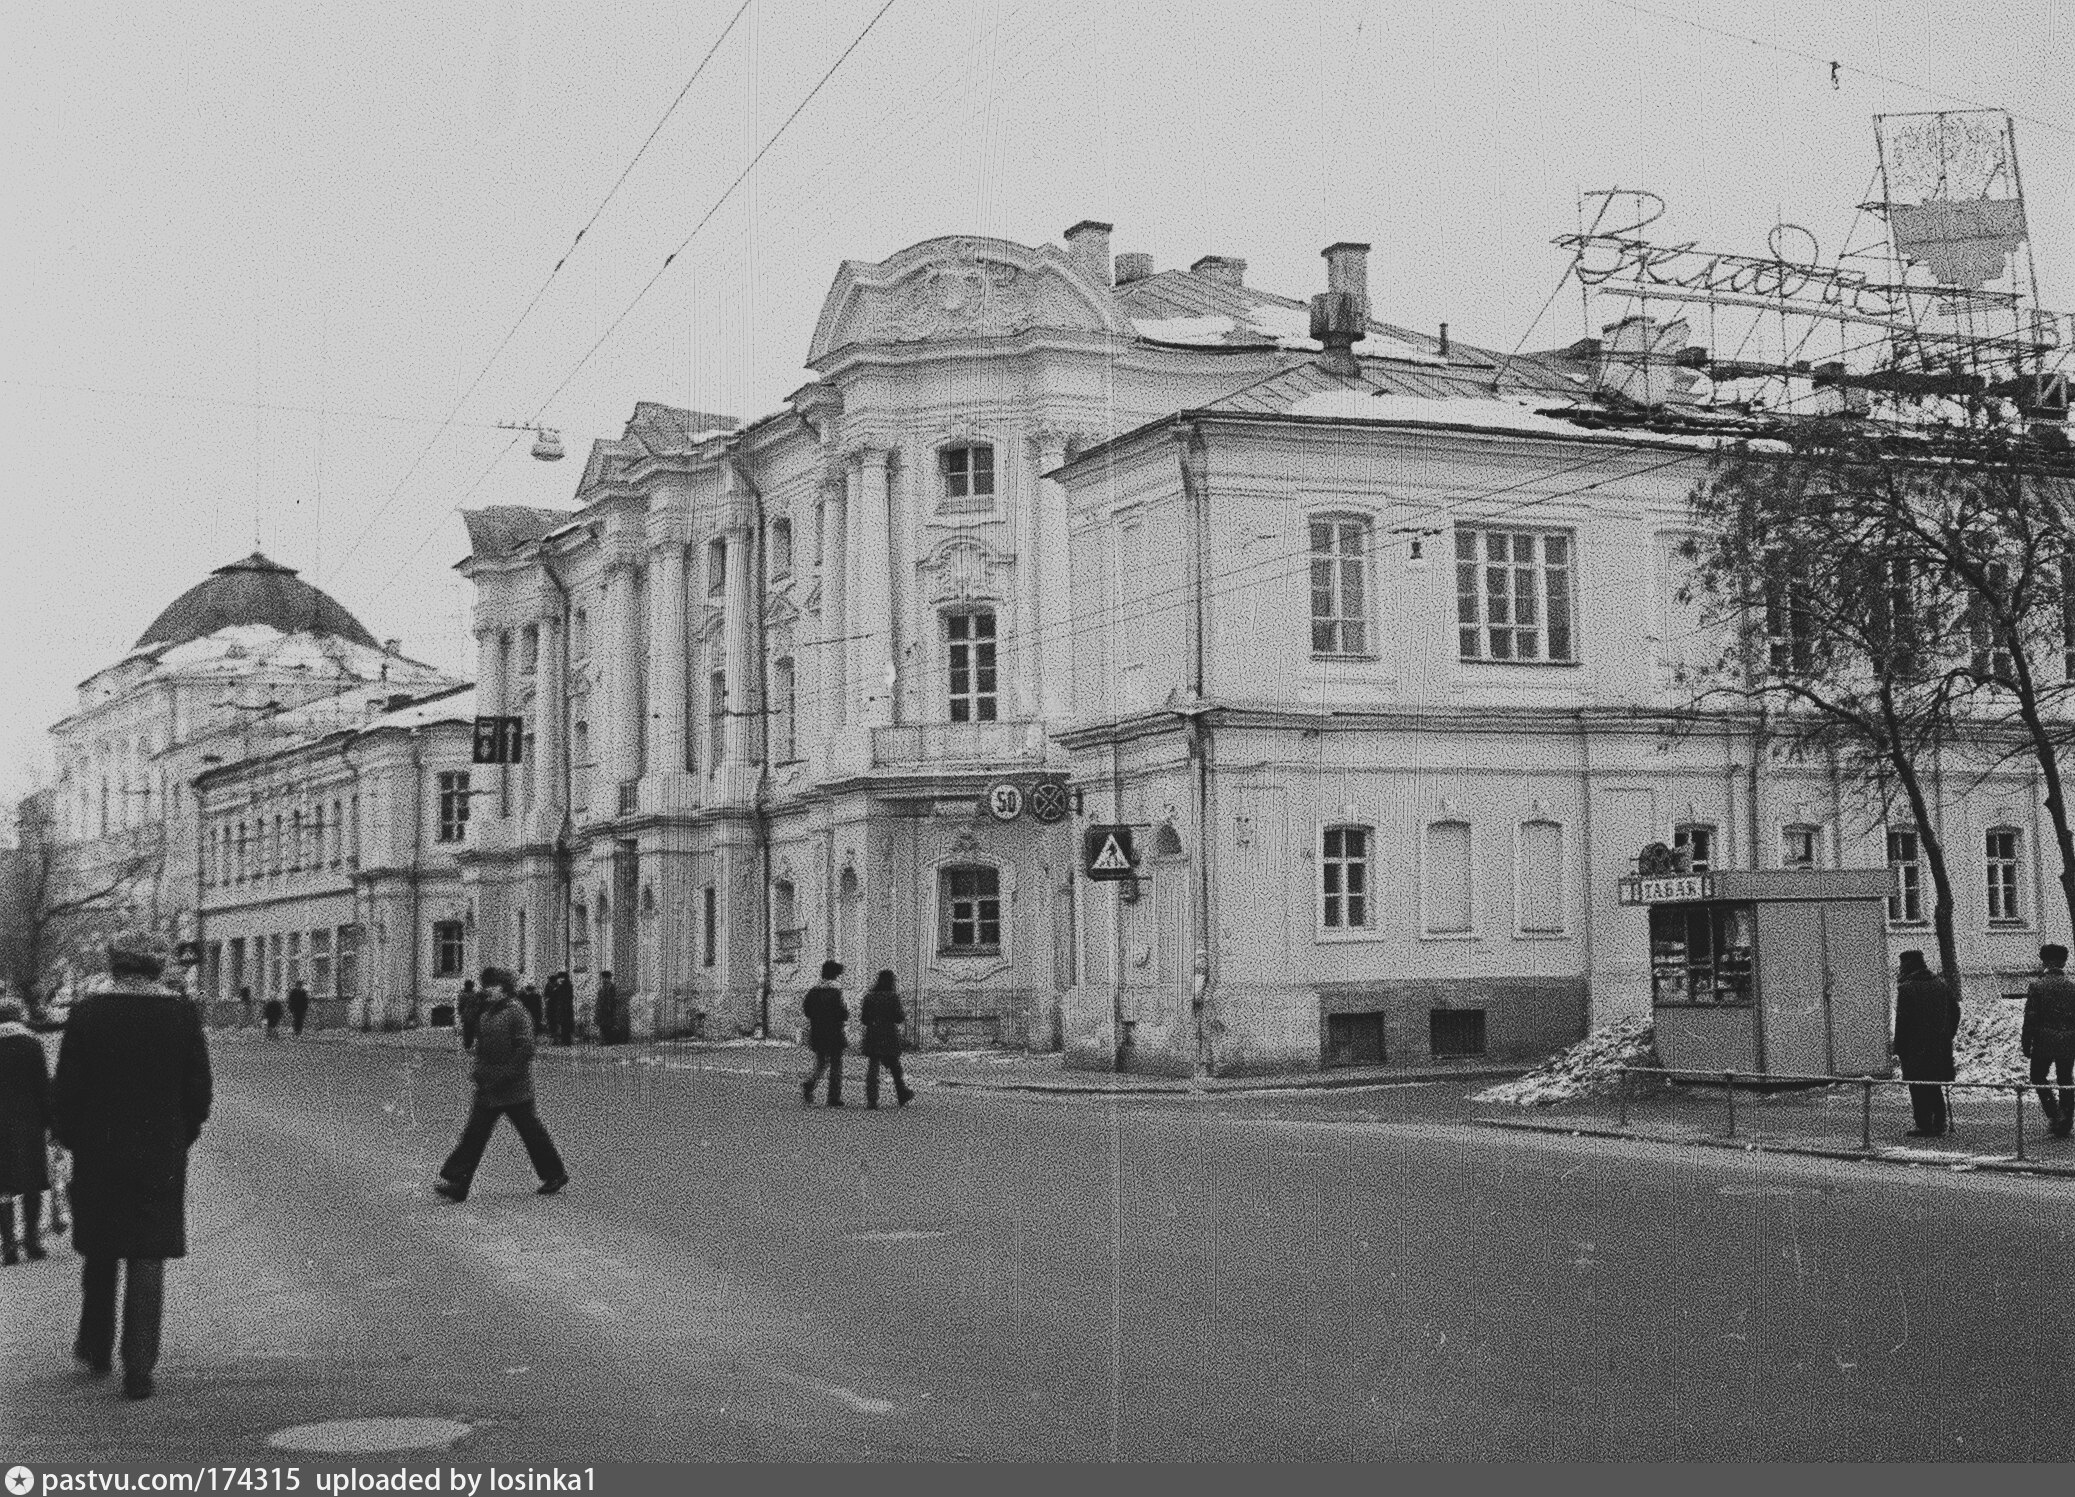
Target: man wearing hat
pixel 504 1088
pixel 1926 1019
pixel 826 1011
pixel 2048 1037
pixel 130 1096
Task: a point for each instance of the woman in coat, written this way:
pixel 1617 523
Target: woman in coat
pixel 1926 1019
pixel 882 1018
pixel 24 1121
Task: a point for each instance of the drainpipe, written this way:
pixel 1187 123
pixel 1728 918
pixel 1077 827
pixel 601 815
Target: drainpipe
pixel 564 854
pixel 760 575
pixel 417 845
pixel 1195 472
pixel 1758 743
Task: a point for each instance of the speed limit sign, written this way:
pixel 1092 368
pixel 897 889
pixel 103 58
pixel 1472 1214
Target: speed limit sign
pixel 1005 801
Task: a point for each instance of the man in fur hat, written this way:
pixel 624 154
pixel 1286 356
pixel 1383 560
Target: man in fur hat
pixel 131 1094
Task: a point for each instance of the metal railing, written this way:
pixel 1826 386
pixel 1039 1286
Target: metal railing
pixel 1730 1080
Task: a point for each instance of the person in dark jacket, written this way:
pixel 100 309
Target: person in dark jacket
pixel 298 1006
pixel 882 1017
pixel 606 1012
pixel 1927 1016
pixel 561 1009
pixel 271 1012
pixel 503 1088
pixel 245 1004
pixel 826 1013
pixel 530 1000
pixel 131 1094
pixel 2048 1037
pixel 468 1012
pixel 24 1133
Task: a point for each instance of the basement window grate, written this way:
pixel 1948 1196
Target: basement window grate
pixel 1354 1040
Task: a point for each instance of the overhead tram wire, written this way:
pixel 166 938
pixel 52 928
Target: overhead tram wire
pixel 283 407
pixel 513 330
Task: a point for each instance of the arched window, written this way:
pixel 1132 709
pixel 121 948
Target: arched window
pixel 969 910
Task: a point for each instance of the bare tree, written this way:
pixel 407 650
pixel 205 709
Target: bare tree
pixel 56 899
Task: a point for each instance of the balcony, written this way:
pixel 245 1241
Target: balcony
pixel 954 743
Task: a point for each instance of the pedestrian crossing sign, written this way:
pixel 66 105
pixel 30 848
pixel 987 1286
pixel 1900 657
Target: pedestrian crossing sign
pixel 1107 855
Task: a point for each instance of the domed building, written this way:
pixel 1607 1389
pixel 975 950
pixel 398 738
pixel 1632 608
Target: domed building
pixel 247 658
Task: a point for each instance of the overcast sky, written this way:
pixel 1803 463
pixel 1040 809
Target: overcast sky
pixel 255 254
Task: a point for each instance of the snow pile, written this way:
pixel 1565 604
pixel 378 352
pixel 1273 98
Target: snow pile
pixel 1985 1049
pixel 1183 329
pixel 1590 1068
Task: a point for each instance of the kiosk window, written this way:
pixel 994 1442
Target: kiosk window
pixel 1700 954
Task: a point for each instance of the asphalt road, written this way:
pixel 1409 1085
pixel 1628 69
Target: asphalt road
pixel 1013 1276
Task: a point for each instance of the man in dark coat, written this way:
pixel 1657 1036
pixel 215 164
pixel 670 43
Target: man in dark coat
pixel 826 1012
pixel 504 1088
pixel 561 1009
pixel 130 1097
pixel 1927 1016
pixel 2048 1037
pixel 529 999
pixel 24 1125
pixel 605 1013
pixel 298 1006
pixel 881 1016
pixel 271 1011
pixel 245 1003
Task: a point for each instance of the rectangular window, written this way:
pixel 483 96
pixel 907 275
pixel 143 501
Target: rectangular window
pixel 1905 856
pixel 710 922
pixel 275 966
pixel 717 715
pixel 2004 905
pixel 447 952
pixel 969 640
pixel 784 712
pixel 971 904
pixel 453 805
pixel 338 834
pixel 1990 658
pixel 349 961
pixel 1800 846
pixel 1696 840
pixel 320 964
pixel 781 544
pixel 295 957
pixel 1788 629
pixel 1339 587
pixel 1513 595
pixel 968 475
pixel 529 649
pixel 716 568
pixel 1541 878
pixel 1344 878
pixel 1450 901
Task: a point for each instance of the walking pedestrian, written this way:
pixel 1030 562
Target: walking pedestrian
pixel 131 1094
pixel 826 1012
pixel 503 1088
pixel 245 1003
pixel 298 1006
pixel 24 1133
pixel 468 1008
pixel 2048 1037
pixel 1927 1016
pixel 882 1017
pixel 561 1009
pixel 271 1009
pixel 529 999
pixel 605 1013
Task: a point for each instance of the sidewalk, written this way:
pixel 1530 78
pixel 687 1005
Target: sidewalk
pixel 1823 1122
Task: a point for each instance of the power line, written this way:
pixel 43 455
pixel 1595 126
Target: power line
pixel 1837 66
pixel 513 330
pixel 259 405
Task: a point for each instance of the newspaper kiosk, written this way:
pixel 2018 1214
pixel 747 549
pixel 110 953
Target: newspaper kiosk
pixel 1780 972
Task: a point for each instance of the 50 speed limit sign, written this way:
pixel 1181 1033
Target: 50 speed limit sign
pixel 1005 801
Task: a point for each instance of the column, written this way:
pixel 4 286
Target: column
pixel 1053 586
pixel 666 654
pixel 620 752
pixel 738 600
pixel 490 698
pixel 872 576
pixel 550 710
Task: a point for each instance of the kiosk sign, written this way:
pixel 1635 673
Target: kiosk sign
pixel 1666 889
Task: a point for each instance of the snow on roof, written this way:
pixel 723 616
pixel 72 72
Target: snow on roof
pixel 1455 410
pixel 251 649
pixel 457 706
pixel 1183 329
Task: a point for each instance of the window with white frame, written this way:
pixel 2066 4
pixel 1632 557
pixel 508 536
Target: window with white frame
pixel 1340 585
pixel 1344 854
pixel 967 472
pixel 1541 875
pixel 1905 856
pixel 1449 896
pixel 2006 905
pixel 1789 631
pixel 969 911
pixel 969 655
pixel 1801 846
pixel 320 963
pixel 1513 595
pixel 448 954
pixel 1696 839
pixel 453 806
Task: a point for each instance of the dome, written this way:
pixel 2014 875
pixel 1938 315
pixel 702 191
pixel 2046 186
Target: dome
pixel 253 591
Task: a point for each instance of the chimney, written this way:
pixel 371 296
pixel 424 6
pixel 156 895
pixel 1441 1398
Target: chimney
pixel 1133 268
pixel 392 647
pixel 1224 269
pixel 1088 245
pixel 1340 314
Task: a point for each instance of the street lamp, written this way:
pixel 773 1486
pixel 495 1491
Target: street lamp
pixel 547 442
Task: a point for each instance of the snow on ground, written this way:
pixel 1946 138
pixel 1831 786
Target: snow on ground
pixel 1590 1068
pixel 1985 1049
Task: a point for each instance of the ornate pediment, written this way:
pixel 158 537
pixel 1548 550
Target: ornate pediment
pixel 961 288
pixel 963 568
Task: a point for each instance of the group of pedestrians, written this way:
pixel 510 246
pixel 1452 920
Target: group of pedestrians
pixel 270 1012
pixel 1927 1018
pixel 552 1012
pixel 883 1020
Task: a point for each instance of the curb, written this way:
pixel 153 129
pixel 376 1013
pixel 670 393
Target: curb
pixel 1986 1164
pixel 1219 1087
